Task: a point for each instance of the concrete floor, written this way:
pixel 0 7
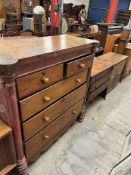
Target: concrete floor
pixel 95 146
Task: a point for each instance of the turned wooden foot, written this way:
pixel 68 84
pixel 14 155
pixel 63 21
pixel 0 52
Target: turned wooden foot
pixel 82 115
pixel 22 167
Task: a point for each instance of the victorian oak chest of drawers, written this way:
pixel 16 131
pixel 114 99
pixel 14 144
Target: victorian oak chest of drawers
pixel 45 84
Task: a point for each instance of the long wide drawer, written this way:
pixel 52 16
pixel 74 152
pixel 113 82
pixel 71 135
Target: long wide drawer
pixel 78 65
pixel 37 102
pixel 97 77
pixel 44 118
pixel 43 139
pixel 34 82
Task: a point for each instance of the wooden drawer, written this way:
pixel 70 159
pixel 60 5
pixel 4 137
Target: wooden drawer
pixel 98 91
pixel 34 82
pixel 44 98
pixel 98 83
pixel 41 120
pixel 43 139
pixel 78 65
pixel 100 76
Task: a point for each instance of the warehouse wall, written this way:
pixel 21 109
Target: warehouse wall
pixel 78 2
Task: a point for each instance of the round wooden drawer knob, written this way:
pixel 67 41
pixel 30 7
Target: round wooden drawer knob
pixel 46 99
pixel 78 80
pixel 45 80
pixel 74 112
pixel 82 65
pixel 46 119
pixel 46 137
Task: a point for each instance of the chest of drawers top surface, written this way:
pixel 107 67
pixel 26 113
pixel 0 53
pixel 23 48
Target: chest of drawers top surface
pixel 24 55
pixel 98 67
pixel 107 60
pixel 14 49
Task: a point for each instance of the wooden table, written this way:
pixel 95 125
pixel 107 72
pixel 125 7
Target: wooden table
pixel 44 82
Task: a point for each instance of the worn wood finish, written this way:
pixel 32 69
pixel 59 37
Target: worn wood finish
pixel 78 65
pixel 125 48
pixel 41 140
pixel 100 76
pixel 117 62
pixel 106 74
pixel 46 97
pixel 7 169
pixel 4 129
pixel 116 75
pixel 36 53
pixel 98 83
pixel 107 30
pixel 110 41
pixel 98 91
pixel 41 120
pixel 112 58
pixel 7 159
pixel 32 83
pixel 23 95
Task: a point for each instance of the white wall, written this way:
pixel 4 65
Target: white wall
pixel 130 6
pixel 78 2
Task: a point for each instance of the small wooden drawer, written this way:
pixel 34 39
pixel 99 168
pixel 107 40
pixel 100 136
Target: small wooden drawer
pixel 98 91
pixel 37 102
pixel 44 139
pixel 99 76
pixel 78 65
pixel 98 83
pixel 44 118
pixel 34 82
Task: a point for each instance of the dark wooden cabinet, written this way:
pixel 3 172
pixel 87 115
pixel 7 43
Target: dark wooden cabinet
pixel 46 82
